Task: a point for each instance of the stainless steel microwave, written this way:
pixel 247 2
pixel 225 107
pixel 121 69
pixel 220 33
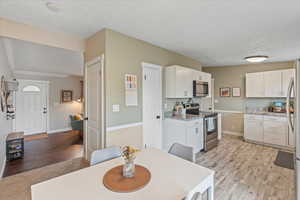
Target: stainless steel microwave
pixel 200 88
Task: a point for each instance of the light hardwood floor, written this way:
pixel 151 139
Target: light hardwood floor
pixel 17 187
pixel 243 172
pixel 246 171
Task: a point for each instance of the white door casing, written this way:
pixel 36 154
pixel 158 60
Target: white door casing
pixel 152 105
pixel 32 107
pixel 94 126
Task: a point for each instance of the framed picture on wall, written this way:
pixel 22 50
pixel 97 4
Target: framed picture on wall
pixel 236 92
pixel 66 96
pixel 225 92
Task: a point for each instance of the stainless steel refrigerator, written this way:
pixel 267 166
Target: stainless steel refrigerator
pixel 293 119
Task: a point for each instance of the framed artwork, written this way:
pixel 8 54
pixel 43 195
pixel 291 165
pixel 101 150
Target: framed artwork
pixel 66 96
pixel 225 92
pixel 236 92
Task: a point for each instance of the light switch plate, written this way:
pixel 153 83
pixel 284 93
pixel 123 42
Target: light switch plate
pixel 116 108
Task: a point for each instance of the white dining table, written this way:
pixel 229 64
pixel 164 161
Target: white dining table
pixel 172 178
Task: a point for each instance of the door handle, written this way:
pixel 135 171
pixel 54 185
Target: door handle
pixel 290 90
pixel 157 117
pixel 86 118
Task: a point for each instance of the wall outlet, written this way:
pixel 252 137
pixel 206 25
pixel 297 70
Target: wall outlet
pixel 116 108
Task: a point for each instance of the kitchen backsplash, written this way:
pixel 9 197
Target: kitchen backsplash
pixel 205 103
pixel 260 103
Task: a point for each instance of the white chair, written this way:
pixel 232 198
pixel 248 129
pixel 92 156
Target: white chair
pixel 182 151
pixel 196 196
pixel 106 154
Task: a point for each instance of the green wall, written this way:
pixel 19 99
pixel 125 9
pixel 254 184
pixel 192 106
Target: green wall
pixel 234 76
pixel 124 54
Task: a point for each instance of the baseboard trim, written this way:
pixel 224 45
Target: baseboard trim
pixel 233 133
pixel 114 128
pixel 59 130
pixel 3 168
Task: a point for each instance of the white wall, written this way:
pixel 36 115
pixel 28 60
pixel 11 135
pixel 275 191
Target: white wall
pixel 5 125
pixel 59 113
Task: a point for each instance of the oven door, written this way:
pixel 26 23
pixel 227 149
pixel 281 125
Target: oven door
pixel 211 124
pixel 200 89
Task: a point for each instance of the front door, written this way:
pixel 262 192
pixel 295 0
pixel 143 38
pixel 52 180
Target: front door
pixel 94 121
pixel 152 106
pixel 31 107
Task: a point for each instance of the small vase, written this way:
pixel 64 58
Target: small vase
pixel 128 168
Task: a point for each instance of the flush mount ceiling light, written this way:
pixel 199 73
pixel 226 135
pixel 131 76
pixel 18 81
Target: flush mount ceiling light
pixel 256 59
pixel 52 7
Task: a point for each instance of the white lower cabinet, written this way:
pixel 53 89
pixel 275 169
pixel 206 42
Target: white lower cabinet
pixel 189 133
pixel 275 131
pixel 270 130
pixel 253 128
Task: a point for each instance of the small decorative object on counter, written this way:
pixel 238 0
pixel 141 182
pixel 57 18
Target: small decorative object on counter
pixel 128 154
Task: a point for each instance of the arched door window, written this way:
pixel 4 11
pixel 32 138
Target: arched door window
pixel 31 88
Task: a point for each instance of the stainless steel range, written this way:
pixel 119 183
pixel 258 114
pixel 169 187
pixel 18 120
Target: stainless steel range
pixel 210 125
pixel 210 131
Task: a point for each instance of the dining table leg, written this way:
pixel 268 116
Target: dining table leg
pixel 210 193
pixel 210 188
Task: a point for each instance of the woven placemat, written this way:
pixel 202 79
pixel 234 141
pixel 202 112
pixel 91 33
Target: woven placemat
pixel 115 181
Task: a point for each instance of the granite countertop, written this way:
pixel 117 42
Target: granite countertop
pixel 184 117
pixel 266 113
pixel 188 117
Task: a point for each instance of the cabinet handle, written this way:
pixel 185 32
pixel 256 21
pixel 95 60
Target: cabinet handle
pixel 197 130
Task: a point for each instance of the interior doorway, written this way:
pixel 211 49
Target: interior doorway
pixel 32 107
pixel 152 105
pixel 46 110
pixel 95 128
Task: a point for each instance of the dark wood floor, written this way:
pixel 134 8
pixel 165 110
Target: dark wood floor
pixel 44 151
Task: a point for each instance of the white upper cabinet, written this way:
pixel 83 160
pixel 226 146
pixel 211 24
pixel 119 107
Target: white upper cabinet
pixel 287 75
pixel 255 84
pixel 179 81
pixel 268 84
pixel 272 83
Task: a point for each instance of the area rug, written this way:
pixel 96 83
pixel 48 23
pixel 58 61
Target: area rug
pixel 285 159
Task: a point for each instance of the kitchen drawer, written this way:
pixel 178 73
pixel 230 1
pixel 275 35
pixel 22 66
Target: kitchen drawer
pixel 211 144
pixel 254 117
pixel 211 136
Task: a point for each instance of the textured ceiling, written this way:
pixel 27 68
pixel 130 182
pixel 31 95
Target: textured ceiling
pixel 215 32
pixel 30 57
